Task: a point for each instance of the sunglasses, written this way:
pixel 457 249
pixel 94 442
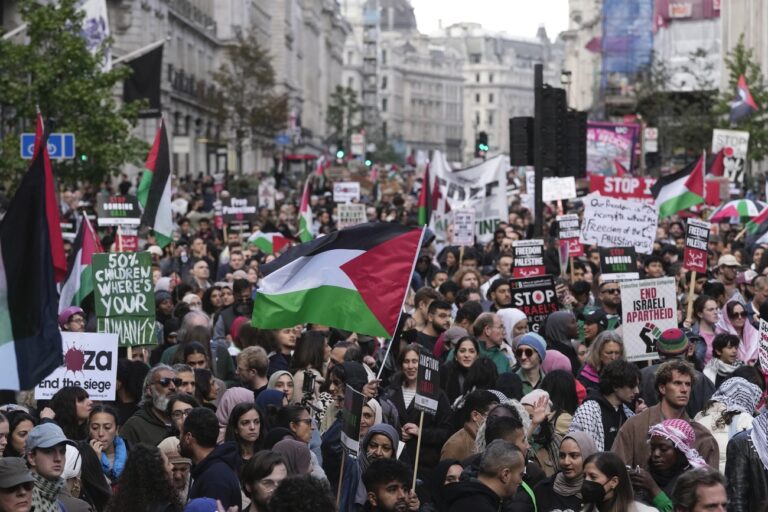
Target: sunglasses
pixel 27 486
pixel 611 290
pixel 165 382
pixel 527 352
pixel 739 314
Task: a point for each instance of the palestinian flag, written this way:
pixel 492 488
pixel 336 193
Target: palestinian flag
pixel 718 164
pixel 305 215
pixel 425 199
pixel 681 190
pixel 743 105
pixel 79 281
pixel 30 341
pixel 268 243
pixel 154 191
pixel 354 279
pixel 619 170
pixel 754 225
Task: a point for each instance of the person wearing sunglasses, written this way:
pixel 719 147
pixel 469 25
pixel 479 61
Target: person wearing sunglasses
pixel 16 484
pixel 151 423
pixel 734 321
pixel 610 302
pixel 530 353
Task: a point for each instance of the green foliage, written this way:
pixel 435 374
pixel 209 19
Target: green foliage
pixel 343 112
pixel 52 68
pixel 741 61
pixel 249 103
pixel 386 154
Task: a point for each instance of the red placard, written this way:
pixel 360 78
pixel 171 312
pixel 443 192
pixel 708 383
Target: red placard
pixel 528 258
pixel 622 188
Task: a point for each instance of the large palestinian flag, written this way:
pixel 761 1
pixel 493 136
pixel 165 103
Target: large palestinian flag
pixel 79 281
pixel 30 341
pixel 154 192
pixel 354 279
pixel 681 190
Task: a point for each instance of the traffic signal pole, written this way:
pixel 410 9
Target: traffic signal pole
pixel 538 150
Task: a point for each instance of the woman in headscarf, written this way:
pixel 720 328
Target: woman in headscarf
pixel 229 400
pixel 560 329
pixel 730 411
pixel 282 381
pixel 672 453
pixel 296 454
pixel 563 490
pixel 446 473
pixel 372 415
pixel 734 321
pixel 515 323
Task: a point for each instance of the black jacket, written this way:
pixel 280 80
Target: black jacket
pixel 216 476
pixel 471 495
pixel 746 475
pixel 145 427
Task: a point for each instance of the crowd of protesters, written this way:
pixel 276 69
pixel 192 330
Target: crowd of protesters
pixel 221 415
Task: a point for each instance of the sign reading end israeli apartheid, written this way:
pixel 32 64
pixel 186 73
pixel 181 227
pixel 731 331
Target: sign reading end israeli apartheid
pixel 351 415
pixel 696 241
pixel 90 362
pixel 618 264
pixel 427 384
pixel 528 258
pixel 124 296
pixel 534 296
pixel 648 308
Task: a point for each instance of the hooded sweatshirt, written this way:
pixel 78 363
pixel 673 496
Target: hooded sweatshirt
pixel 216 476
pixel 471 495
pixel 556 334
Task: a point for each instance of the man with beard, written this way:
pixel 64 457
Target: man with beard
pixel 150 424
pixel 610 301
pixel 438 321
pixel 500 294
pixel 387 483
pixel 214 473
pixel 261 475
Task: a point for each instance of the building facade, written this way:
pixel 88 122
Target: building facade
pixel 748 18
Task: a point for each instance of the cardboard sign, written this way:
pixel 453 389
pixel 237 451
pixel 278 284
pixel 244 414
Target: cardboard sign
pixel 236 210
pixel 90 361
pixel 734 144
pixel 534 296
pixel 350 214
pixel 464 227
pixel 762 351
pixel 346 191
pixel 351 414
pixel 622 188
pixel 554 189
pixel 427 384
pixel 618 263
pixel 568 227
pixel 118 211
pixel 696 240
pixel 528 258
pixel 610 222
pixel 125 296
pixel 648 308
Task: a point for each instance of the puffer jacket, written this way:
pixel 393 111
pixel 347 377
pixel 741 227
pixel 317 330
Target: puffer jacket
pixel 746 475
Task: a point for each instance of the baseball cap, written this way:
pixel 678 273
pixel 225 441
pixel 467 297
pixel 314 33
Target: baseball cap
pixel 596 316
pixel 13 471
pixel 46 435
pixel 728 260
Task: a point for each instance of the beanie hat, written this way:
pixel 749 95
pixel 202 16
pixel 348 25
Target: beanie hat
pixel 672 342
pixel 556 360
pixel 162 295
pixel 536 342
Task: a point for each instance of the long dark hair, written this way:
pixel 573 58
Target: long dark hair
pixel 14 419
pixel 310 352
pixel 202 384
pixel 612 465
pixel 234 418
pixel 208 306
pixel 144 483
pixel 64 405
pixel 561 387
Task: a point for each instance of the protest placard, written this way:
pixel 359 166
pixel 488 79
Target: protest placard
pixel 762 351
pixel 464 227
pixel 218 214
pixel 536 297
pixel 118 211
pixel 346 191
pixel 350 214
pixel 528 258
pixel 568 227
pixel 648 308
pixel 618 264
pixel 608 143
pixel 238 210
pixel 696 242
pixel 734 144
pixel 351 414
pixel 90 361
pixel 124 296
pixel 427 384
pixel 610 222
pixel 622 188
pixel 267 193
pixel 555 189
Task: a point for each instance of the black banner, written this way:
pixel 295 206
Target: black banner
pixel 427 384
pixel 618 263
pixel 534 296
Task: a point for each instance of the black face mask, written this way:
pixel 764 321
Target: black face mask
pixel 592 492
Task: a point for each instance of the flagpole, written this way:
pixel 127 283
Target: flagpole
pixel 141 51
pixel 405 296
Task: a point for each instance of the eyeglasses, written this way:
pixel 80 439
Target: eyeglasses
pixel 527 352
pixel 611 290
pixel 738 314
pixel 27 486
pixel 268 484
pixel 166 381
pixel 180 414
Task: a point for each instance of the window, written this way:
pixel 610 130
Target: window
pixel 383 56
pixel 350 82
pixel 477 77
pixel 384 82
pixel 490 78
pixel 384 104
pixel 490 118
pixel 475 58
pixel 490 98
pixel 477 117
pixel 477 98
pixel 350 57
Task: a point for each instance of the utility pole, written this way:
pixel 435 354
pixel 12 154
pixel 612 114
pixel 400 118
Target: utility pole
pixel 538 150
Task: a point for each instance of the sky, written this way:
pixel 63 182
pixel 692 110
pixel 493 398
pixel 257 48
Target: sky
pixel 515 17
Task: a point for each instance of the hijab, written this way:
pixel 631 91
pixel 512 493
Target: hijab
pixel 273 378
pixel 361 495
pixel 750 338
pixel 377 411
pixel 296 455
pixel 572 486
pixel 556 328
pixel 509 318
pixel 435 482
pixel 230 398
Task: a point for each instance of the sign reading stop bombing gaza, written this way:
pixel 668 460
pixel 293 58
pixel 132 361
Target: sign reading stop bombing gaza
pixel 124 296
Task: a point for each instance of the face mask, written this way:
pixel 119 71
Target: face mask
pixel 592 492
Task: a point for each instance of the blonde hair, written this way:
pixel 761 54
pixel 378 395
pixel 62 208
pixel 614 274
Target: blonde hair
pixel 593 354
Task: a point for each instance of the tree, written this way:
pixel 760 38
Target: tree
pixel 741 61
pixel 343 109
pixel 248 100
pixel 54 70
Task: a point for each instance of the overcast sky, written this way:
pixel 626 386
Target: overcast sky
pixel 516 17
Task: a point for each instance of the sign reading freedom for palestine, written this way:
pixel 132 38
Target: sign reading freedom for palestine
pixel 124 296
pixel 696 244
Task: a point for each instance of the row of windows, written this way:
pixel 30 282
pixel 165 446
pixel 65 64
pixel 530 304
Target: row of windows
pixel 477 98
pixel 490 78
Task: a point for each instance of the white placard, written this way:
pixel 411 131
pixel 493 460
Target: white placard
pixel 555 189
pixel 350 214
pixel 346 191
pixel 648 308
pixel 610 222
pixel 464 227
pixel 90 361
pixel 735 143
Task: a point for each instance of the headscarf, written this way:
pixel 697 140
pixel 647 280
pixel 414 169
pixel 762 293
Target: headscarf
pixel 572 486
pixel 759 437
pixel 296 455
pixel 362 456
pixel 228 401
pixel 556 328
pixel 738 394
pixel 682 436
pixel 750 338
pixel 272 382
pixel 435 482
pixel 509 318
pixel 163 284
pixel 375 406
pixel 270 397
pixel 556 360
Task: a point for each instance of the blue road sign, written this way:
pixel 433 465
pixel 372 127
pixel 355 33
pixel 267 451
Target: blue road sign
pixel 283 140
pixel 60 145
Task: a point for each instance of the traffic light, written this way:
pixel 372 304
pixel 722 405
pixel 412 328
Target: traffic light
pixel 481 145
pixel 340 150
pixel 340 154
pixel 368 158
pixel 83 157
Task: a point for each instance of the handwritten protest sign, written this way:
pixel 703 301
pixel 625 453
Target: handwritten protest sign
pixel 464 227
pixel 648 308
pixel 90 361
pixel 536 297
pixel 618 264
pixel 610 222
pixel 124 296
pixel 696 240
pixel 528 258
pixel 568 227
pixel 427 384
pixel 350 214
pixel 734 144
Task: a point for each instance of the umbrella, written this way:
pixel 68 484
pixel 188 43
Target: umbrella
pixel 741 209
